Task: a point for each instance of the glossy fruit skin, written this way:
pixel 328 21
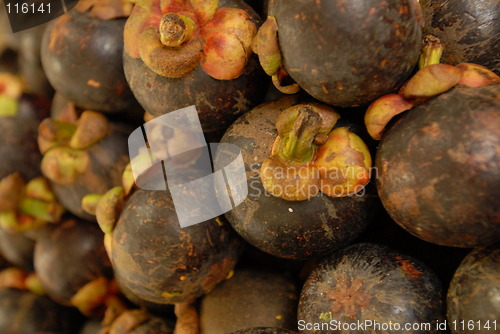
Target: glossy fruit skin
pixel 158 261
pixel 438 170
pixel 82 58
pixel 219 102
pixel 108 160
pixel 69 256
pixel 25 312
pixel 474 291
pixel 468 29
pixel 253 297
pixel 287 229
pixel 371 282
pixel 348 53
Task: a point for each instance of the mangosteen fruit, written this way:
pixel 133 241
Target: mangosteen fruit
pixel 371 285
pixel 436 163
pixel 283 228
pixel 469 30
pixel 343 53
pixel 179 54
pixel 474 292
pixel 160 262
pixel 82 55
pixel 438 168
pixel 26 312
pixel 253 297
pixel 72 264
pixel 83 156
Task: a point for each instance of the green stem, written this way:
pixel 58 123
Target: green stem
pixel 176 29
pixel 298 144
pixel 432 50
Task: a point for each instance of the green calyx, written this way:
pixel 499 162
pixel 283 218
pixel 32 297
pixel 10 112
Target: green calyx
pixel 26 206
pixel 301 129
pixel 8 106
pixel 105 207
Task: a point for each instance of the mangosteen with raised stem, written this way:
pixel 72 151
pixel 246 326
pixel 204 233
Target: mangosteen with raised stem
pixel 182 53
pixel 298 228
pixel 82 55
pixel 368 282
pixel 474 293
pixel 437 164
pixel 344 53
pixel 82 156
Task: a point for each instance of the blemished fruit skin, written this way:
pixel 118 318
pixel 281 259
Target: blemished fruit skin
pixel 25 312
pixel 369 282
pixel 438 168
pixel 348 53
pixel 158 261
pixel 219 102
pixel 82 58
pixel 70 256
pixel 474 293
pixel 468 29
pixel 288 229
pixel 253 297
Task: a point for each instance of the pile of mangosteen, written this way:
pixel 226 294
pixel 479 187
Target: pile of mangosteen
pixel 344 157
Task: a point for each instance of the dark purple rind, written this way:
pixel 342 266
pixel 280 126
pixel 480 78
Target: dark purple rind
pixel 158 261
pixel 475 291
pixel 82 59
pixel 469 30
pixel 219 102
pixel 371 282
pixel 19 148
pixel 287 229
pixel 18 249
pixel 108 159
pixel 253 297
pixel 22 312
pixel 70 256
pixel 348 53
pixel 438 168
